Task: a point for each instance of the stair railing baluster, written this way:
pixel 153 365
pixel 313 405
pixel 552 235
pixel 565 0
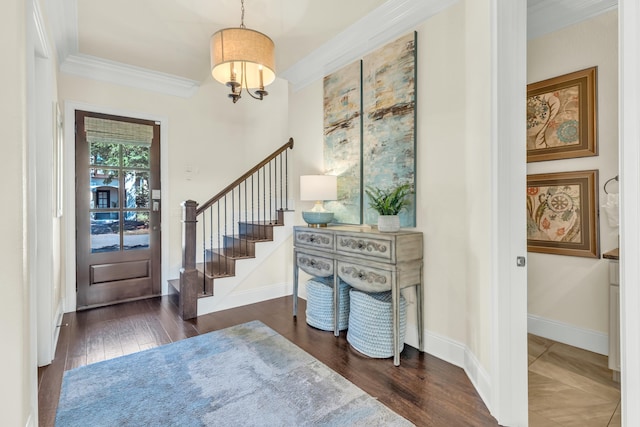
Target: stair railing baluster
pixel 246 241
pixel 270 198
pixel 225 232
pixel 204 246
pixel 233 221
pixel 218 236
pixel 264 201
pixel 286 179
pixel 281 204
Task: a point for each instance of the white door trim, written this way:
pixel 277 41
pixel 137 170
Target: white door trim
pixel 70 187
pixel 509 385
pixel 629 149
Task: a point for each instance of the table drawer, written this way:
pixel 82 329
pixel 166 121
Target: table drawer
pixel 366 279
pixel 365 246
pixel 315 265
pixel 314 239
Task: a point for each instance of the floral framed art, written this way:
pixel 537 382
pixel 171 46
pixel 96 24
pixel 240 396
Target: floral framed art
pixel 561 117
pixel 562 215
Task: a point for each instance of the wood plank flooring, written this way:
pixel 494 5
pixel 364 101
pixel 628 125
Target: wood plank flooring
pixel 423 389
pixel 570 387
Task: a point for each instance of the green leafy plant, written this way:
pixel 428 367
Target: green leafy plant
pixel 391 201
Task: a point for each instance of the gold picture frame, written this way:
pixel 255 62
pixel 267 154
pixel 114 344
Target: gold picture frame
pixel 562 213
pixel 561 117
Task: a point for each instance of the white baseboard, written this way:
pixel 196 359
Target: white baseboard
pixel 460 355
pixel 586 339
pixel 57 326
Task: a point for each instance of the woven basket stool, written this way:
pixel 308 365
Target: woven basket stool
pixel 371 323
pixel 320 304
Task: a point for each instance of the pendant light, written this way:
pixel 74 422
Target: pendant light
pixel 243 58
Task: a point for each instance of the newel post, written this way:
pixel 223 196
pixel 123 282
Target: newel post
pixel 188 307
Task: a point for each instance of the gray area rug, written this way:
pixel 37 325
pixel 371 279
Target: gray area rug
pixel 246 375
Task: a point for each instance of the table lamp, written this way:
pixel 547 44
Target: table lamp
pixel 318 188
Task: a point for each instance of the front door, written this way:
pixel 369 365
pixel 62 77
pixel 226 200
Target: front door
pixel 117 209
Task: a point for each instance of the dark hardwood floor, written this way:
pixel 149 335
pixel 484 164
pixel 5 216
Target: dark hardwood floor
pixel 423 389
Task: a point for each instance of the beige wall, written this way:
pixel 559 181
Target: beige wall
pixel 453 170
pixel 207 134
pixel 15 367
pixel 567 289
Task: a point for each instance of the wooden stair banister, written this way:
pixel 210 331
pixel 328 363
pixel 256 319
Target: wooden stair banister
pixel 196 280
pixel 246 175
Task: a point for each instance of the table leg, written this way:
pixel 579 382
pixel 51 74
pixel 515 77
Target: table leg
pixel 295 285
pixel 420 314
pixel 336 300
pixel 395 303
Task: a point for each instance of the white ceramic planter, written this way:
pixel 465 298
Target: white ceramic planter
pixel 388 223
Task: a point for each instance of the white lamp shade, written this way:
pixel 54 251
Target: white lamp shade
pixel 236 49
pixel 318 187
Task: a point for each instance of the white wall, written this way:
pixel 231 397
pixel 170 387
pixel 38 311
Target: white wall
pixel 566 289
pixel 453 177
pixel 209 136
pixel 15 368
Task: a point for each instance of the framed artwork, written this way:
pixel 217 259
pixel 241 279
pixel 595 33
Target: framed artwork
pixel 342 140
pixel 561 117
pixel 389 122
pixel 562 215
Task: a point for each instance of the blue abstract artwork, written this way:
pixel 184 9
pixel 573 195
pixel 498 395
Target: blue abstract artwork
pixel 388 139
pixel 369 130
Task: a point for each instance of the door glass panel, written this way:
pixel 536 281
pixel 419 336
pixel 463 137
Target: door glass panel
pixel 104 188
pixel 105 231
pixel 104 153
pixel 136 189
pixel 136 230
pixel 136 155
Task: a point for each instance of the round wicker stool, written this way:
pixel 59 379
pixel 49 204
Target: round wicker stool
pixel 320 304
pixel 371 323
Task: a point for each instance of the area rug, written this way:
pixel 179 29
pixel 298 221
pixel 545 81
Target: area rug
pixel 246 375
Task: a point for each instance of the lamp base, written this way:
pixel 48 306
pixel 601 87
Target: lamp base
pixel 317 219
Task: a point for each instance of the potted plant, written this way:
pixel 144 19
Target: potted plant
pixel 389 203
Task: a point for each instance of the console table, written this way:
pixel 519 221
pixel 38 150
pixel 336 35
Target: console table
pixel 367 260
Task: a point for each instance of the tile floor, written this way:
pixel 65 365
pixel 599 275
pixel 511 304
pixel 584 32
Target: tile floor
pixel 569 386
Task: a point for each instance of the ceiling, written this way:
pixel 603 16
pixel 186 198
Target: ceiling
pixel 171 37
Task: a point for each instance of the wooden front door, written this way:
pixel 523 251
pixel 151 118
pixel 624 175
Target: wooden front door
pixel 117 209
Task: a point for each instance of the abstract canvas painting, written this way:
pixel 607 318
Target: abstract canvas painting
pixel 369 129
pixel 342 143
pixel 388 104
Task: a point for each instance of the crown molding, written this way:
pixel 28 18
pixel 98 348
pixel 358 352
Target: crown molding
pixel 63 17
pixel 95 68
pixel 547 16
pixel 386 23
pixel 42 47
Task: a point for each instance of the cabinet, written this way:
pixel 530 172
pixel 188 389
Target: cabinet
pixel 614 318
pixel 367 260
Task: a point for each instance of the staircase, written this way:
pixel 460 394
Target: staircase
pixel 226 229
